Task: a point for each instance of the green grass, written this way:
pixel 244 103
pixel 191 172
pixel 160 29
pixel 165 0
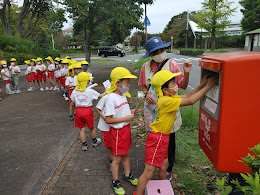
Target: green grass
pixel 138 65
pixel 217 51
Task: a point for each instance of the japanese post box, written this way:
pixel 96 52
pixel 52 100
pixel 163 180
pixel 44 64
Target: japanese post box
pixel 229 118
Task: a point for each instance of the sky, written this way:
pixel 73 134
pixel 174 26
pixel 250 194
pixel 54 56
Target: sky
pixel 161 12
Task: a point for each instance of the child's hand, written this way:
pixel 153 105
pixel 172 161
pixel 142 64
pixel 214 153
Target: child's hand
pixel 134 111
pixel 187 66
pixel 130 117
pixel 149 99
pixel 205 79
pixel 212 81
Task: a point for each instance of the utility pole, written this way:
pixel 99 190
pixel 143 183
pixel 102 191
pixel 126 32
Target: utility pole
pixel 187 28
pixel 145 22
pixel 136 41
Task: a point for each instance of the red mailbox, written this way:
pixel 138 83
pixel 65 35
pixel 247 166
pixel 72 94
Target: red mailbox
pixel 229 121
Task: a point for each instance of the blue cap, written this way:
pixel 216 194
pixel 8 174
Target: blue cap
pixel 154 44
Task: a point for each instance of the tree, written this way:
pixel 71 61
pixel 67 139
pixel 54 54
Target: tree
pixel 5 20
pixel 214 17
pixel 251 12
pixel 136 39
pixel 61 41
pixel 116 16
pixel 177 28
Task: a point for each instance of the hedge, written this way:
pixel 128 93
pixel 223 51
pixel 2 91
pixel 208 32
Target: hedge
pixel 191 52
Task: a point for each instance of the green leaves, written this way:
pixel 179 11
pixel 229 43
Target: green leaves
pixel 224 190
pixel 251 12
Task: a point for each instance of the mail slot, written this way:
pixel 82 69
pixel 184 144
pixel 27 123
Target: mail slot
pixel 229 118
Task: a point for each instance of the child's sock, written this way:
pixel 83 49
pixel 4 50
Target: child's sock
pixel 84 143
pixel 94 140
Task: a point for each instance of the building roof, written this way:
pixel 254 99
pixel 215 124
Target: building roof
pixel 68 30
pixel 257 31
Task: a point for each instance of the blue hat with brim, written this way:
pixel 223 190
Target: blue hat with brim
pixel 154 44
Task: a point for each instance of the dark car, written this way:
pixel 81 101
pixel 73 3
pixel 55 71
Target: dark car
pixel 105 51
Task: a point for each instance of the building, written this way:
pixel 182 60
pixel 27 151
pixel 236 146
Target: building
pixel 68 31
pixel 234 28
pixel 252 42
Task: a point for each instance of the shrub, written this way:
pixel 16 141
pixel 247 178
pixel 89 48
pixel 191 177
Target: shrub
pixel 140 62
pixel 191 52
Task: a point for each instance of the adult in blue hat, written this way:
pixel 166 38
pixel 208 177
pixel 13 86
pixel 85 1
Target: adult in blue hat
pixel 156 49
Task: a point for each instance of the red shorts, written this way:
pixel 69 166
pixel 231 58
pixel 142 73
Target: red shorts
pixel 156 148
pixel 84 116
pixel 33 76
pixel 121 140
pixel 106 139
pixel 70 92
pixel 57 78
pixel 50 75
pixel 7 81
pixel 41 76
pixel 29 77
pixel 62 80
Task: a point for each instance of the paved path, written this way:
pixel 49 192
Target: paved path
pixel 35 136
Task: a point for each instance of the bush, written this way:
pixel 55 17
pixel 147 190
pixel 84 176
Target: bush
pixel 12 46
pixel 140 62
pixel 191 52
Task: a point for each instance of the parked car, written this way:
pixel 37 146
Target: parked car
pixel 105 51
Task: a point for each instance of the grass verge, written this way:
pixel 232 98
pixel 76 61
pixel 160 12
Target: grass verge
pixel 217 51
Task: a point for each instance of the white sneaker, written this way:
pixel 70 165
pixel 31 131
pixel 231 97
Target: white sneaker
pixel 51 88
pixel 67 99
pixel 64 95
pixel 95 144
pixel 0 99
pixel 55 88
pixel 11 92
pixel 30 89
pixel 47 88
pixel 42 89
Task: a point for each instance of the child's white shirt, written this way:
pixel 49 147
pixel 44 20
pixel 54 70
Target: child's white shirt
pixel 41 67
pixel 5 71
pixel 15 68
pixel 75 80
pixel 118 107
pixel 57 72
pixel 64 72
pixel 102 125
pixel 69 82
pixel 51 67
pixel 84 98
pixel 34 69
pixel 28 70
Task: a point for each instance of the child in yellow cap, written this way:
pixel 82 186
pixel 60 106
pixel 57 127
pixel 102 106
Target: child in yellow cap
pixel 50 69
pixel 15 75
pixel 28 74
pixel 156 148
pixel 82 98
pixel 6 77
pixel 117 116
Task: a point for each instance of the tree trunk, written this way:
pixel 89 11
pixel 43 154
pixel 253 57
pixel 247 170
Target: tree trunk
pixel 22 15
pixel 3 17
pixel 9 18
pixel 213 32
pixel 86 38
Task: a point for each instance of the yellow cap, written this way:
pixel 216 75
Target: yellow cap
pixel 70 68
pixel 160 78
pixel 77 65
pixel 49 58
pixel 117 74
pixel 57 59
pixel 82 79
pixel 3 62
pixel 13 60
pixel 65 61
pixel 33 60
pixel 39 59
pixel 27 61
pixel 67 57
pixel 84 63
pixel 73 62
